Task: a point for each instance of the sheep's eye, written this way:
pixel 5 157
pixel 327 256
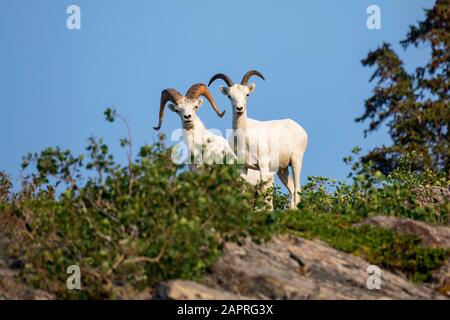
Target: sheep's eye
pixel 248 95
pixel 229 96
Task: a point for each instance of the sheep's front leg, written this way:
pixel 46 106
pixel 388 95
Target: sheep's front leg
pixel 265 183
pixel 288 182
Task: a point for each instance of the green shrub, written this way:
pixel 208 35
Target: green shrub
pixel 137 224
pixel 381 247
pixel 402 193
pixel 329 209
pixel 150 220
pixel 5 187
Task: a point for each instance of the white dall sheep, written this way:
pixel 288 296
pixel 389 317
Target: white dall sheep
pixel 197 138
pixel 288 140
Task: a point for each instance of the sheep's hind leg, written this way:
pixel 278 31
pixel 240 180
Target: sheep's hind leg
pixel 296 164
pixel 287 181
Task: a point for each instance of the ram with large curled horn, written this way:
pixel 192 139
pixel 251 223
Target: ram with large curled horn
pixel 272 146
pixel 186 106
pixel 204 145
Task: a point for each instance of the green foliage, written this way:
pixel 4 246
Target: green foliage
pixel 5 187
pixel 405 192
pixel 110 115
pixel 280 200
pixel 378 246
pixel 415 107
pixel 330 209
pixel 133 225
pixel 150 221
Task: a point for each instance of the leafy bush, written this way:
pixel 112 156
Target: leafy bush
pixel 405 192
pixel 5 187
pixel 130 226
pixel 381 247
pixel 329 210
pixel 134 225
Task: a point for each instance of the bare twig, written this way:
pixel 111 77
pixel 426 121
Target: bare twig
pixel 146 259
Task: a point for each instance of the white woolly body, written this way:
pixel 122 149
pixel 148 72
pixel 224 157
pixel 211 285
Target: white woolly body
pixel 292 141
pixel 200 141
pixel 204 144
pixel 272 146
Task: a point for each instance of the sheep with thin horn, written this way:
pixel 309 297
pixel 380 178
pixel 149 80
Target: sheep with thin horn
pixel 197 138
pixel 272 146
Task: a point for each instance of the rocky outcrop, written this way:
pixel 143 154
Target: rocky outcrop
pixel 189 290
pixel 432 195
pixel 441 279
pixel 286 267
pixel 11 289
pixel 430 235
pixel 436 236
pixel 290 267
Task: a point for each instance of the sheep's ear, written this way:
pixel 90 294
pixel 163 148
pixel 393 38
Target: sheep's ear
pixel 171 107
pixel 224 90
pixel 199 103
pixel 251 87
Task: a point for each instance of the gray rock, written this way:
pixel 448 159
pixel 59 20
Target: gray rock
pixel 441 279
pixel 189 290
pixel 289 267
pixel 432 195
pixel 11 289
pixel 437 236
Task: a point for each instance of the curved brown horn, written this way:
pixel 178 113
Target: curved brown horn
pixel 199 89
pixel 249 74
pixel 171 95
pixel 222 76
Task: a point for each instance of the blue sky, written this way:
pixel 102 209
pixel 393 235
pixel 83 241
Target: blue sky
pixel 55 83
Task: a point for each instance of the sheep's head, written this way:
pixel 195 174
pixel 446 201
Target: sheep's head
pixel 186 106
pixel 237 93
